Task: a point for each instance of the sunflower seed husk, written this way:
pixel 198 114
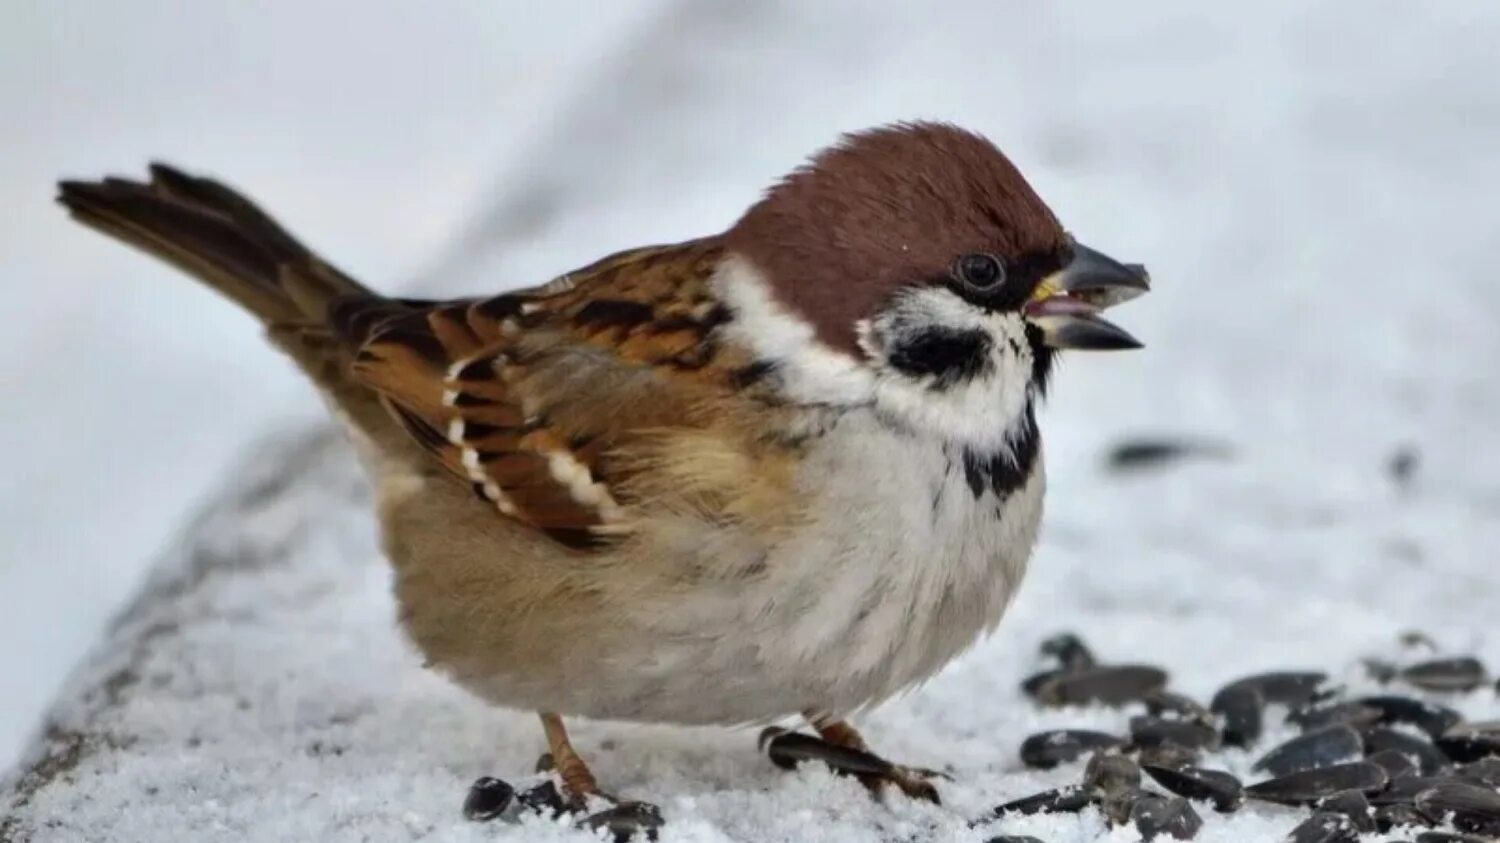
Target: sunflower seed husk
pixel 1069 651
pixel 1322 748
pixel 487 799
pixel 1309 786
pixel 1147 732
pixel 1456 674
pixel 1243 711
pixel 1111 685
pixel 1046 750
pixel 1062 800
pixel 1354 805
pixel 1288 688
pixel 1474 808
pixel 1471 741
pixel 1431 718
pixel 1324 827
pixel 1430 760
pixel 788 749
pixel 1215 786
pixel 625 820
pixel 1395 764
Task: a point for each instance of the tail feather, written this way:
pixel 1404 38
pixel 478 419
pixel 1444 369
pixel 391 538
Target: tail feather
pixel 217 235
pixel 212 195
pixel 316 314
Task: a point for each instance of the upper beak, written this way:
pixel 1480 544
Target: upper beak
pixel 1066 305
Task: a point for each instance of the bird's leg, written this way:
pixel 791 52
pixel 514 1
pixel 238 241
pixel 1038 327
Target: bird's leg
pixel 912 781
pixel 578 781
pixel 840 733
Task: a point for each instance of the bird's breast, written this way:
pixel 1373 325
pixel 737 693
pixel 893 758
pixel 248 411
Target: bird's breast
pixel 902 563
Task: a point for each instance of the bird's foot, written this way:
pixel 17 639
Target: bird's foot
pixel 845 752
pixel 916 782
pixel 623 820
pixel 576 779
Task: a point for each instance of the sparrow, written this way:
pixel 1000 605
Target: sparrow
pixel 789 469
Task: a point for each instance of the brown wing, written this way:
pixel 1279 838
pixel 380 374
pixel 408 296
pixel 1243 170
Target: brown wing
pixel 520 394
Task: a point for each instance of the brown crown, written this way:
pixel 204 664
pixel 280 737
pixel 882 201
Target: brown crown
pixel 883 209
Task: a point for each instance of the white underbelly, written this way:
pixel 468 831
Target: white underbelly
pixel 899 568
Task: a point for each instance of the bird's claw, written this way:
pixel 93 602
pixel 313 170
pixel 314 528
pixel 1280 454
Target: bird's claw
pixel 915 782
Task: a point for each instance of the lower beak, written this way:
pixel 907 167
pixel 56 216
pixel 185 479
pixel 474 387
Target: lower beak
pixel 1067 304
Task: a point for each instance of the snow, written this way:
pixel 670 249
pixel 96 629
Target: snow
pixel 1310 185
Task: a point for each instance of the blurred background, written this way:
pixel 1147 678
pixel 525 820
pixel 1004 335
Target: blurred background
pixel 1312 185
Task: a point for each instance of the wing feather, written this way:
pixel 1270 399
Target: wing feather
pixel 497 389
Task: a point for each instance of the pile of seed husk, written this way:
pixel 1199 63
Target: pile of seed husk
pixel 490 798
pixel 1390 763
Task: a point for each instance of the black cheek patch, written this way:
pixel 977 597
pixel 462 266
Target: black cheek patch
pixel 950 356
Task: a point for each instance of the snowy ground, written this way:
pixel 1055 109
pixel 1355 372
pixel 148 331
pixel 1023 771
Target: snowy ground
pixel 1311 186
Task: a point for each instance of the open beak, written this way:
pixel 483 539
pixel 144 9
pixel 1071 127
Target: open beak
pixel 1067 304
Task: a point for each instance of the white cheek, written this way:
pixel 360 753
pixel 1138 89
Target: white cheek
pixel 983 413
pixel 810 371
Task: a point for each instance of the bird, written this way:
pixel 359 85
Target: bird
pixel 788 470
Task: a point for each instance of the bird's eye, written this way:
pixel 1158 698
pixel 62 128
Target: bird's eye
pixel 979 271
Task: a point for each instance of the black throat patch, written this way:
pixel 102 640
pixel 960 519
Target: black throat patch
pixel 1005 470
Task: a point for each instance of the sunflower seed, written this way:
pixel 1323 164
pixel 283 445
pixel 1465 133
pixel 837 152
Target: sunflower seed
pixel 1429 758
pixel 788 749
pixel 1473 807
pixel 1431 718
pixel 1354 805
pixel 542 799
pixel 1152 452
pixel 1311 717
pixel 1167 755
pixel 1388 817
pixel 1069 651
pixel 1323 748
pixel 1485 771
pixel 1046 750
pixel 625 820
pixel 1451 837
pixel 1033 684
pixel 1062 800
pixel 1308 786
pixel 1223 790
pixel 1457 674
pixel 1169 705
pixel 1289 688
pixel 487 799
pixel 1396 765
pixel 1405 791
pixel 1324 827
pixel 1109 774
pixel 1242 710
pixel 1013 838
pixel 1471 741
pixel 1154 815
pixel 1113 685
pixel 1148 732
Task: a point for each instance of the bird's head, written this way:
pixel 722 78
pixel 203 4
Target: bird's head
pixel 912 267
